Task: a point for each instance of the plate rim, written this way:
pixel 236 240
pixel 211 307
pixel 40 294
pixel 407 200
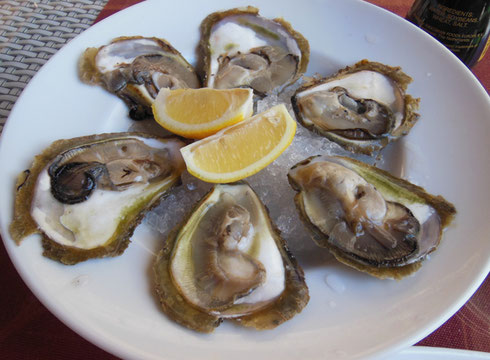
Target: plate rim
pixel 82 331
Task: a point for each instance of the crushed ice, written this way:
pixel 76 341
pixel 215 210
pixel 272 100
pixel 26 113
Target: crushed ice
pixel 271 184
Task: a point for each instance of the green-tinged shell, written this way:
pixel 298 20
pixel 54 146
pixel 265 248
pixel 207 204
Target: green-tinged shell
pixel 266 30
pixel 173 304
pixel 356 139
pixel 179 275
pixel 48 188
pixel 423 216
pixel 138 78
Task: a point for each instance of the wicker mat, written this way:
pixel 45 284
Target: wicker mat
pixel 30 33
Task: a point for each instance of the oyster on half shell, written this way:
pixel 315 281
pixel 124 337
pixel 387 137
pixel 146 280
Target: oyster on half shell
pixel 239 48
pixel 135 69
pixel 367 218
pixel 362 108
pixel 227 261
pixel 86 195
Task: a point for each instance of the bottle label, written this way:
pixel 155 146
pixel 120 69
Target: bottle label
pixel 460 25
pixel 453 34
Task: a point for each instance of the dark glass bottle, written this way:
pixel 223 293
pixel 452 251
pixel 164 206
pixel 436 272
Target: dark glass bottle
pixel 461 25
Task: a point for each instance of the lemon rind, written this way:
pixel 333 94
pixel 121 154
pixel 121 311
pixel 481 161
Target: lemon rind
pixel 251 169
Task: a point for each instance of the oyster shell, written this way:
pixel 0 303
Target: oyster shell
pixel 240 48
pixel 86 195
pixel 367 218
pixel 227 261
pixel 362 108
pixel 135 69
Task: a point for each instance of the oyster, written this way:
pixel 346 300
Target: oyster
pixel 86 195
pixel 240 48
pixel 362 108
pixel 366 217
pixel 227 261
pixel 135 69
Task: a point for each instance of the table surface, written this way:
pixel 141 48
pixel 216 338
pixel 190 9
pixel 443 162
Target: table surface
pixel 28 330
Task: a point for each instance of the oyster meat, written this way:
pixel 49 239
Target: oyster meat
pixel 135 69
pixel 227 261
pixel 86 195
pixel 239 48
pixel 362 108
pixel 366 217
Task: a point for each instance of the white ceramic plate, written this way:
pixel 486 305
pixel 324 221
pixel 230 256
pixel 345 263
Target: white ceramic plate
pixel 431 353
pixel 110 301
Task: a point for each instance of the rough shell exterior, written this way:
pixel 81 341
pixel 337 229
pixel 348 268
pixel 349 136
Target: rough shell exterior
pixel 292 300
pixel 394 73
pixel 445 210
pixel 208 23
pixel 89 74
pixel 24 225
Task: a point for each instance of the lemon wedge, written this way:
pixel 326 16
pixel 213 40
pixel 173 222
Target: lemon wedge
pixel 197 113
pixel 243 149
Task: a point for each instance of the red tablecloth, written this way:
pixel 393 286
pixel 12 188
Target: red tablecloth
pixel 29 331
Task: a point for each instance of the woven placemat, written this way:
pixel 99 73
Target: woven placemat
pixel 30 33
